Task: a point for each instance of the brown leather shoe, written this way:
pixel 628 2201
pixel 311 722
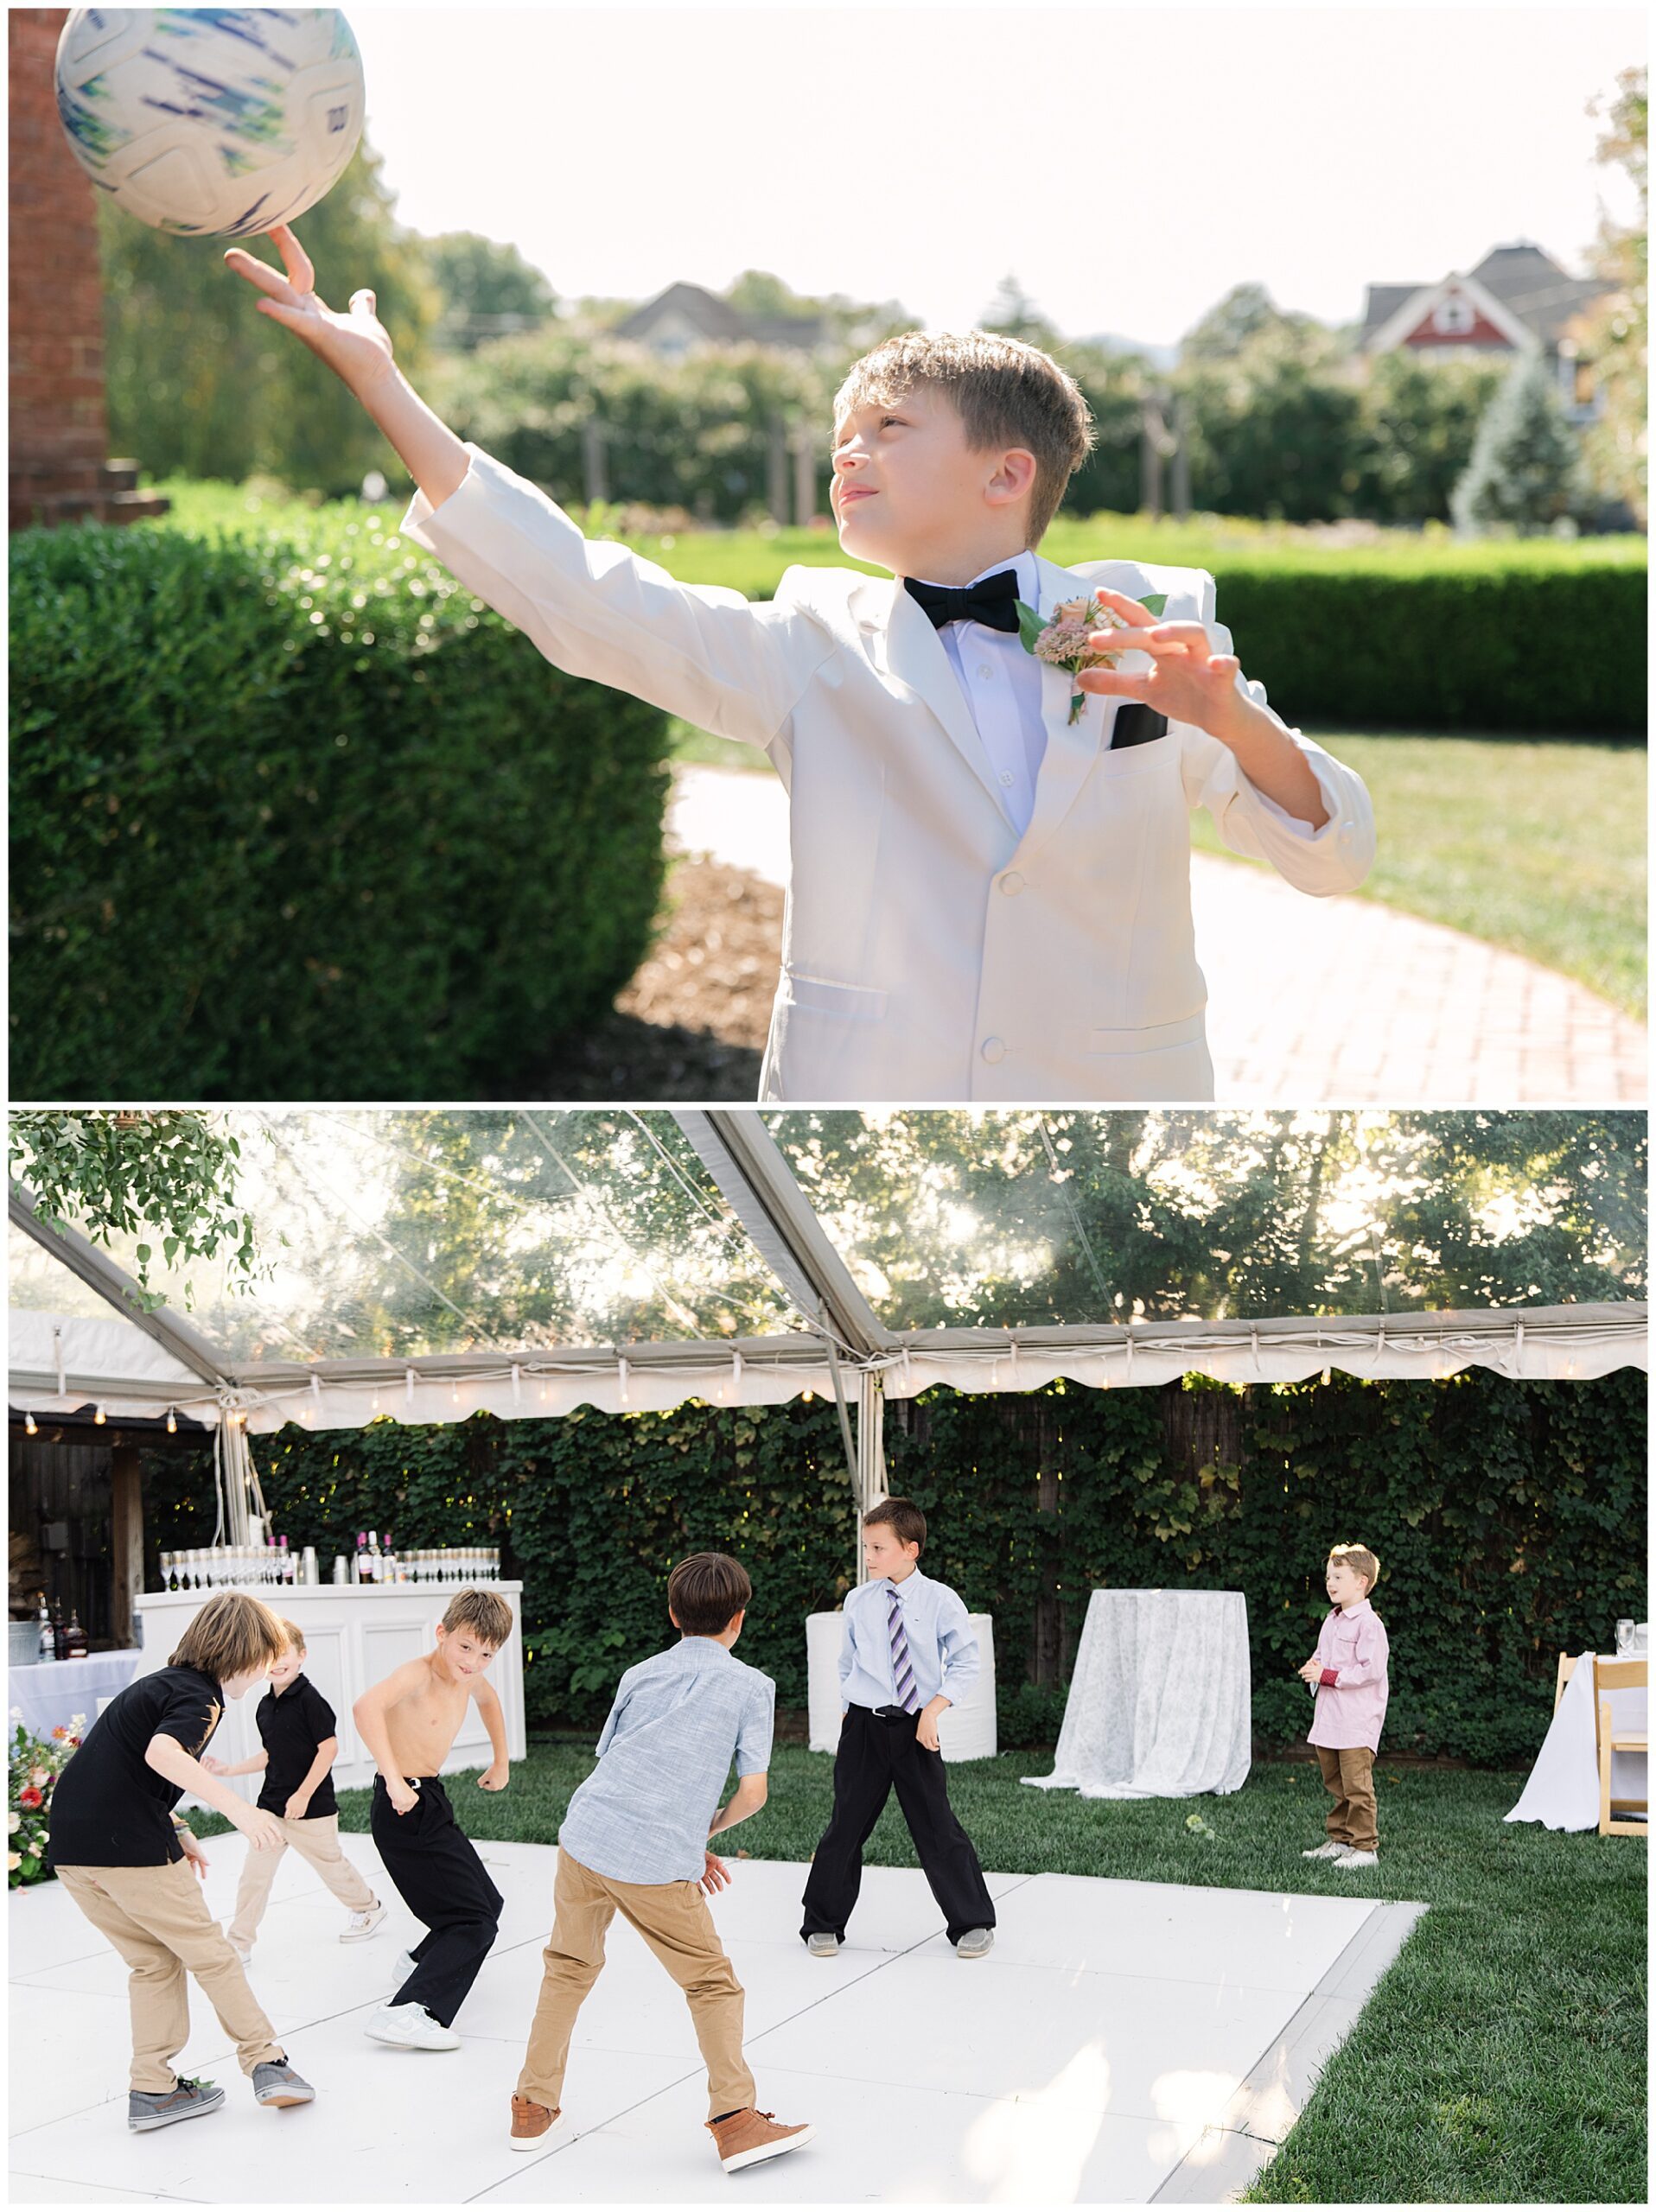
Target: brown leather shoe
pixel 748 2136
pixel 532 2124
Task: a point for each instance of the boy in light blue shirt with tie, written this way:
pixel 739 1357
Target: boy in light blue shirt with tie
pixel 908 1653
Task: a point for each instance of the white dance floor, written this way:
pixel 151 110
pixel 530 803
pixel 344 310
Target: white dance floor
pixel 1124 2041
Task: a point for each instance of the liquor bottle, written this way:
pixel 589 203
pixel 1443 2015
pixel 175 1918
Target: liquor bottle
pixel 388 1566
pixel 362 1568
pixel 59 1634
pixel 284 1564
pixel 76 1642
pixel 376 1562
pixel 48 1642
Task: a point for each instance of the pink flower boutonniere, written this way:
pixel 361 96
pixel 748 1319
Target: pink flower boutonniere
pixel 1061 637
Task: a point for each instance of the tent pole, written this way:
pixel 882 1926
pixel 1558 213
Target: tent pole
pixel 870 1450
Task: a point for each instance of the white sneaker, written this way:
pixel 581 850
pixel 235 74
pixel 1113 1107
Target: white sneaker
pixel 243 1955
pixel 401 1967
pixel 1358 1860
pixel 362 1923
pixel 1327 1851
pixel 411 2027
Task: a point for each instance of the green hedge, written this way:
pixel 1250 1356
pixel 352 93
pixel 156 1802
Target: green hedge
pixel 294 816
pixel 1509 1519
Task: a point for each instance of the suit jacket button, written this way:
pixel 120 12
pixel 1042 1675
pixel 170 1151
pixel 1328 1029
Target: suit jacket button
pixel 993 1050
pixel 1011 883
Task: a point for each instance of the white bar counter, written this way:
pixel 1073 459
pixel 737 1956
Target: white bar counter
pixel 355 1634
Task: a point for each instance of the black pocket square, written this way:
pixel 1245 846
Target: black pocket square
pixel 1136 725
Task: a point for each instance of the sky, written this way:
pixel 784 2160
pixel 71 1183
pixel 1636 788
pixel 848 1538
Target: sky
pixel 1129 164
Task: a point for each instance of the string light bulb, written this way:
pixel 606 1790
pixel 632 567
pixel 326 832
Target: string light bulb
pixel 98 1416
pixel 30 1427
pixel 172 1422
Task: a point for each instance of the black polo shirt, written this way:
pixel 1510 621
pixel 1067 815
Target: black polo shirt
pixel 291 1723
pixel 108 1808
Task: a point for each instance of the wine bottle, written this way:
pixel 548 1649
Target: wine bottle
pixel 362 1572
pixel 48 1642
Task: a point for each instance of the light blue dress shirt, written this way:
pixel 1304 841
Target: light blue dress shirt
pixel 643 1813
pixel 942 1649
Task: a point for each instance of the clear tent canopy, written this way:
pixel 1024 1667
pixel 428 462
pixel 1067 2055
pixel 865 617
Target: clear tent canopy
pixel 421 1264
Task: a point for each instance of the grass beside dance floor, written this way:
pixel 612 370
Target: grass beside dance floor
pixel 1502 2057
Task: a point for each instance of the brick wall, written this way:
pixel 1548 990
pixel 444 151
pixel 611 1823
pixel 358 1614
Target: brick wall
pixel 59 470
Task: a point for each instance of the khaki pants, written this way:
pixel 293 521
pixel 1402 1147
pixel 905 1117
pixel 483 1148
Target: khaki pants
pixel 316 1841
pixel 1348 1776
pixel 673 1919
pixel 157 1919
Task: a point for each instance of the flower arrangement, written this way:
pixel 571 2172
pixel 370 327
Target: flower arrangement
pixel 1062 638
pixel 35 1763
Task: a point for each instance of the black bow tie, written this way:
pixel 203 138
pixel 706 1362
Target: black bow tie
pixel 993 602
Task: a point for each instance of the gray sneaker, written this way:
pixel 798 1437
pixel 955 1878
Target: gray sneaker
pixel 186 2100
pixel 975 1943
pixel 823 1945
pixel 275 2082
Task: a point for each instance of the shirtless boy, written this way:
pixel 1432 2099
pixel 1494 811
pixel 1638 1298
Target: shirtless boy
pixel 409 1722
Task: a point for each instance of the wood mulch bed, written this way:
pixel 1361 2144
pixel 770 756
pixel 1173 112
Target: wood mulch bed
pixel 691 1023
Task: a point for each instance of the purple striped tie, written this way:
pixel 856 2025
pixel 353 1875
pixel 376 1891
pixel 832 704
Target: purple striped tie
pixel 903 1672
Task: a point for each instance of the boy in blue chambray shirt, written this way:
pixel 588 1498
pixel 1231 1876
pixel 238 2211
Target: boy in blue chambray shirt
pixel 907 1653
pixel 634 1841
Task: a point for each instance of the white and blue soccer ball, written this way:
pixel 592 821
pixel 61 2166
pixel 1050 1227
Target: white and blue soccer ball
pixel 211 121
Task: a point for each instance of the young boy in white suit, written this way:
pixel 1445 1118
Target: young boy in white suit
pixel 989 894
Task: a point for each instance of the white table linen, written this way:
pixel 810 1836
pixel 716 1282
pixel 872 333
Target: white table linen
pixel 1561 1791
pixel 1159 1702
pixel 50 1695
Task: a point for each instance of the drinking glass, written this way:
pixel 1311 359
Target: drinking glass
pixel 1624 1635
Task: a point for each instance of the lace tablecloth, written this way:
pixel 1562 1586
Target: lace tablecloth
pixel 1159 1702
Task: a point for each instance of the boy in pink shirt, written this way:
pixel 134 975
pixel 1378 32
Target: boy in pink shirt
pixel 1347 1672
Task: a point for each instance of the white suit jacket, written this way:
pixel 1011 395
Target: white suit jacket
pixel 931 954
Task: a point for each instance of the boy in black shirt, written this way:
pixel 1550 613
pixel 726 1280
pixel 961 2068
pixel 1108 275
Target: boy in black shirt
pixel 125 1857
pixel 296 1727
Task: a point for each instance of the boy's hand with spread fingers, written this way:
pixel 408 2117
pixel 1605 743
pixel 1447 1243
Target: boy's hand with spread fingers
pixel 356 346
pixel 1189 683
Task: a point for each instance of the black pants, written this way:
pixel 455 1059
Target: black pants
pixel 440 1879
pixel 873 1756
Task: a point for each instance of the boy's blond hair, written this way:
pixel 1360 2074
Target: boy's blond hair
pixel 484 1611
pixel 295 1635
pixel 233 1634
pixel 1361 1560
pixel 1006 393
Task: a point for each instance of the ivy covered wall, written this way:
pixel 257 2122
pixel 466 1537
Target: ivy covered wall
pixel 1509 1519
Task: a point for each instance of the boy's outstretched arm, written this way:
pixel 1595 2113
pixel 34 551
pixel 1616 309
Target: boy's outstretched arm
pixel 357 348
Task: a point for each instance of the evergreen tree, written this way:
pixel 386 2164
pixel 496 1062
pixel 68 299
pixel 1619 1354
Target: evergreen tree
pixel 1525 470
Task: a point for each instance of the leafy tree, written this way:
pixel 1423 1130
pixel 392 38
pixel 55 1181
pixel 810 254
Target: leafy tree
pixel 1273 424
pixel 1417 424
pixel 201 384
pixel 852 326
pixel 1014 315
pixel 1614 336
pixel 1525 470
pixel 1247 312
pixel 169 1174
pixel 488 290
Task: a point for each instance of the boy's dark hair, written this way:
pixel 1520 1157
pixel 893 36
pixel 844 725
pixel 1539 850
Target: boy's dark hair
pixel 707 1591
pixel 903 1516
pixel 1006 393
pixel 235 1633
pixel 485 1612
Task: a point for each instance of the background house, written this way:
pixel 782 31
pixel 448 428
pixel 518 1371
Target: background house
pixel 1517 300
pixel 685 315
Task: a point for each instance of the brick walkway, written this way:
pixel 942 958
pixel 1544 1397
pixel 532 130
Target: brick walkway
pixel 1334 1000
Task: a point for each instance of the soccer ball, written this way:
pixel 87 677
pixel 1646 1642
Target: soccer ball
pixel 211 121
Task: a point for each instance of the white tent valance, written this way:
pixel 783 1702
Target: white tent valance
pixel 61 1363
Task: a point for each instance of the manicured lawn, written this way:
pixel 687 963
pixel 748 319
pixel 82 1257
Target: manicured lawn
pixel 1535 845
pixel 1501 2059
